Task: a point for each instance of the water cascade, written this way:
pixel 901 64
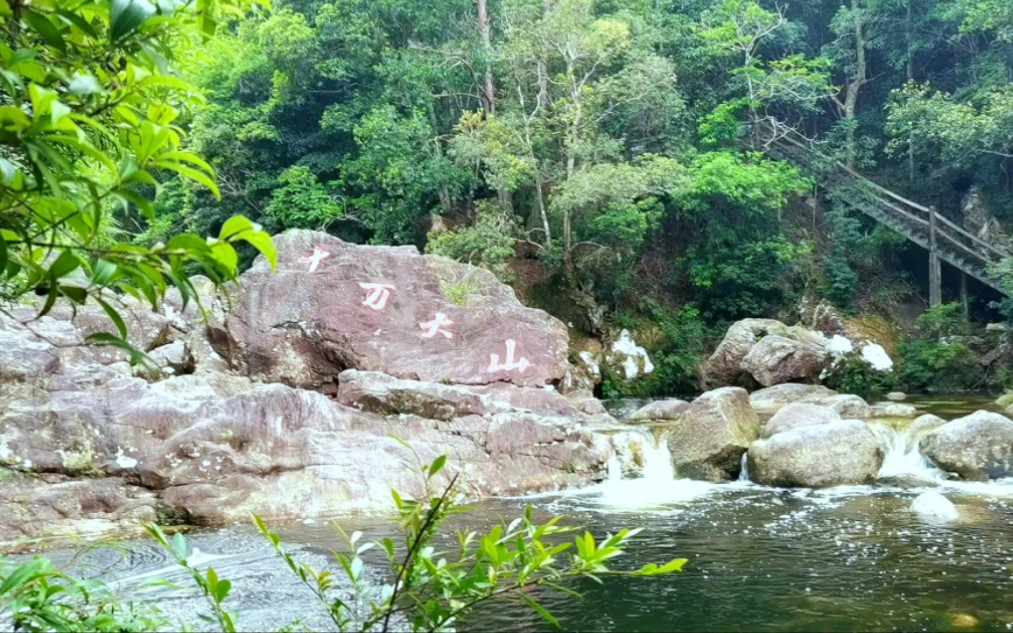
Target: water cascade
pixel 744 473
pixel 654 481
pixel 901 455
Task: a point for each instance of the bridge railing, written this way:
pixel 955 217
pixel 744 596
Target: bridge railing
pixel 937 227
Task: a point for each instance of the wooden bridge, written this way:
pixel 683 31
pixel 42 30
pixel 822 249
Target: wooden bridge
pixel 944 240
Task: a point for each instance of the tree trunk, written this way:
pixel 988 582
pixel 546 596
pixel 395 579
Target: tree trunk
pixel 855 85
pixel 910 78
pixel 488 86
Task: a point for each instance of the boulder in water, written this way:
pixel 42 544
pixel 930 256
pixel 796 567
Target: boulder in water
pixel 796 415
pixel 934 506
pixel 708 440
pixel 777 359
pixel 847 405
pixel 771 399
pixel 923 424
pixel 977 447
pixel 669 409
pixel 896 396
pixel 842 452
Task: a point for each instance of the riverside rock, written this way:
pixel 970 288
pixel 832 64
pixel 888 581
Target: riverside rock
pixel 709 438
pixel 797 415
pixel 670 409
pixel 90 446
pixel 333 306
pixel 842 452
pixel 772 399
pixel 768 351
pixel 976 447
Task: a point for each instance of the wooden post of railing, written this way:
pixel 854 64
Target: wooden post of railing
pixel 963 296
pixel 935 273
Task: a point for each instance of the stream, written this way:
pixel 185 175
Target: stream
pixel 854 558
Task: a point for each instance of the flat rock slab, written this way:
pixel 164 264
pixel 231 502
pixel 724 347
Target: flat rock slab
pixel 332 306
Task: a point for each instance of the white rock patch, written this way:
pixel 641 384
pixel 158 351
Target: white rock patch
pixel 123 460
pixel 634 358
pixel 876 356
pixel 840 345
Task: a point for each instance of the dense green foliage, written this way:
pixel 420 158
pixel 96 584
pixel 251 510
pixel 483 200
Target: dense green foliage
pixel 611 145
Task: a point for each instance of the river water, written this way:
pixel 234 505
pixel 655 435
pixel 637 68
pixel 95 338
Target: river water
pixel 761 559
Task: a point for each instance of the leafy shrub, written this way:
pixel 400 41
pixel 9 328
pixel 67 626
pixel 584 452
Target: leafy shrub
pixel 35 596
pixel 855 375
pixel 935 358
pixel 488 242
pixel 675 341
pixel 937 366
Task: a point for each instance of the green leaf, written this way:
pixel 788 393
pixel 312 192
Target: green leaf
pixel 53 293
pixel 114 316
pixel 542 611
pixel 126 15
pixel 226 255
pixel 261 241
pixel 189 242
pixel 189 172
pixel 47 30
pixel 103 273
pixel 78 21
pixel 3 256
pixel 438 464
pixel 234 226
pixel 21 575
pixel 137 357
pixel 75 294
pixel 66 263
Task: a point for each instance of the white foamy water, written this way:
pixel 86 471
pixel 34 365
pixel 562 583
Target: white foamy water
pixel 657 485
pixel 901 455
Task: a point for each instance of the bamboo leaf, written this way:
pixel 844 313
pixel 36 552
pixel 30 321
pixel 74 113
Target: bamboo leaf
pixel 542 611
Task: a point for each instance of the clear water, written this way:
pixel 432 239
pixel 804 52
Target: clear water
pixel 761 559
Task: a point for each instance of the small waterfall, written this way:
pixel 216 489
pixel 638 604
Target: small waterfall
pixel 642 453
pixel 744 472
pixel 658 463
pixel 615 469
pixel 901 455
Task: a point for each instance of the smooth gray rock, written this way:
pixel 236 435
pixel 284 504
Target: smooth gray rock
pixel 670 409
pixel 708 440
pixel 843 452
pixel 977 447
pixel 797 415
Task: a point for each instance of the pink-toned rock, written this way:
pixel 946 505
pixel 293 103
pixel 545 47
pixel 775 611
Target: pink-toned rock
pixel 380 308
pixel 91 449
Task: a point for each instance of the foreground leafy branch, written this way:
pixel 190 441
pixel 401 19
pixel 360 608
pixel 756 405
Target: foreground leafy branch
pixel 434 589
